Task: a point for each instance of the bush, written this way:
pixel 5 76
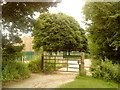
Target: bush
pixel 35 65
pixel 49 68
pixel 87 56
pixel 23 70
pixel 15 70
pixel 108 71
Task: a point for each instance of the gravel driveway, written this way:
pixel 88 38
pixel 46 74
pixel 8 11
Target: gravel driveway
pixel 43 81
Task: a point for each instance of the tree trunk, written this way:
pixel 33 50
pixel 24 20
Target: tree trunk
pixel 69 52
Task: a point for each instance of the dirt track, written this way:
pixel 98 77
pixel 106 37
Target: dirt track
pixel 43 81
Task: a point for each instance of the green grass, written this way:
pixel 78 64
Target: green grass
pixel 89 82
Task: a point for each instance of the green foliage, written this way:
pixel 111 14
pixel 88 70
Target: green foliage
pixel 10 49
pixel 58 32
pixel 35 65
pixel 104 29
pixel 15 70
pixel 108 70
pixel 87 56
pixel 49 68
pixel 18 17
pixel 20 14
pixel 23 69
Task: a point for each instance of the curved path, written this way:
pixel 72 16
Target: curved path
pixel 43 81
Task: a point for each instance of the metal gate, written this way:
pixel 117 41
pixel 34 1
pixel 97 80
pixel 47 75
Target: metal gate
pixel 62 63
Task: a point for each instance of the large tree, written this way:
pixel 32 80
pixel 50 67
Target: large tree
pixel 18 17
pixel 58 32
pixel 104 29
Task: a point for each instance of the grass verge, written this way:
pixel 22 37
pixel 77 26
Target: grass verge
pixel 89 82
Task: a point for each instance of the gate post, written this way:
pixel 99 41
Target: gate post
pixel 82 59
pixel 81 67
pixel 42 62
pixel 67 64
pixel 55 57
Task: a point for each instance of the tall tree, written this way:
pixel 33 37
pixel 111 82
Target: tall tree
pixel 18 17
pixel 58 32
pixel 104 31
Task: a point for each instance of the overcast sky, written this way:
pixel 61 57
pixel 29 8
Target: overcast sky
pixel 72 8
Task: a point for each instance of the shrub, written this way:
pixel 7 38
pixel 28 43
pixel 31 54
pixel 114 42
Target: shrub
pixel 108 71
pixel 35 65
pixel 49 68
pixel 15 70
pixel 87 56
pixel 23 70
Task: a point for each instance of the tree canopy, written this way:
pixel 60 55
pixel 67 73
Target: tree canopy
pixel 18 17
pixel 20 14
pixel 58 32
pixel 104 29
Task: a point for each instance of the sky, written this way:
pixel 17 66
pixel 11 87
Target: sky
pixel 70 7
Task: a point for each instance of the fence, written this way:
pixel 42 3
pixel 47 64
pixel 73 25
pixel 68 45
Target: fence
pixel 27 56
pixel 60 62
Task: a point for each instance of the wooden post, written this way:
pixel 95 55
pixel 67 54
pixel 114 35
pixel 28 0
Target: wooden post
pixel 42 62
pixel 22 59
pixel 55 63
pixel 82 63
pixel 79 68
pixel 82 59
pixel 67 64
